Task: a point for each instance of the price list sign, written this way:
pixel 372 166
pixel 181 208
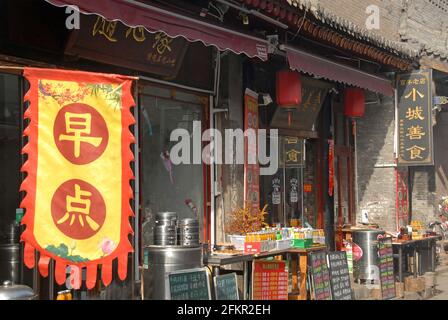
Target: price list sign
pixel 226 287
pixel 189 284
pixel 320 276
pixel 339 276
pixel 270 280
pixel 414 94
pixel 386 264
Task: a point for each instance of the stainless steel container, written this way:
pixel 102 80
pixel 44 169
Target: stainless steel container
pixel 188 232
pixel 10 262
pixel 9 291
pixel 165 235
pixel 366 267
pixel 166 218
pixel 162 260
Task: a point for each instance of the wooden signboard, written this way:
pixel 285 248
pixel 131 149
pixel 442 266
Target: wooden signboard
pixel 114 43
pixel 339 276
pixel 386 266
pixel 226 287
pixel 269 280
pixel 320 276
pixel 415 129
pixel 188 284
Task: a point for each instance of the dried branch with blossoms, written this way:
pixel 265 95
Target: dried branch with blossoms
pixel 245 220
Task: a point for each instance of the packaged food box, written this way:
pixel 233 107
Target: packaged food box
pixel 258 247
pixel 302 243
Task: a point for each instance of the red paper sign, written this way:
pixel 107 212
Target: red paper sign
pixel 251 170
pixel 330 167
pixel 270 280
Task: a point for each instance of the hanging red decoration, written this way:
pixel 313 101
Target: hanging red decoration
pixel 354 102
pixel 289 91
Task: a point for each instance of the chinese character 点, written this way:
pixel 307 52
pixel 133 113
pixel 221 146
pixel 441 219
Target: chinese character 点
pixel 416 152
pixel 77 126
pixel 414 94
pixel 415 133
pixel 105 28
pixel 415 114
pixel 80 205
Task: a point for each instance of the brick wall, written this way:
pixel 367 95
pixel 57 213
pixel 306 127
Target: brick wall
pixel 376 174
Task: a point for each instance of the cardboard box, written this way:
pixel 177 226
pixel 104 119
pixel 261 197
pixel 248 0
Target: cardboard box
pixel 412 284
pixel 258 247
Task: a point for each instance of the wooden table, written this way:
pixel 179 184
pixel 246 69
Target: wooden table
pixel 299 265
pixel 403 248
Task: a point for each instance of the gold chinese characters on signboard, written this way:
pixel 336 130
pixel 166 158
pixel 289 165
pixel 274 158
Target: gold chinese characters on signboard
pixel 415 145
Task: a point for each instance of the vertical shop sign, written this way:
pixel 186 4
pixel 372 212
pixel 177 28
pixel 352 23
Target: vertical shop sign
pixel 330 167
pixel 415 131
pixel 293 152
pixel 294 193
pixel 251 170
pixel 276 195
pixel 402 199
pixel 78 172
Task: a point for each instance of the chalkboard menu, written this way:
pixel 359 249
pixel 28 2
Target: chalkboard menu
pixel 189 284
pixel 226 287
pixel 320 276
pixel 270 280
pixel 339 276
pixel 386 264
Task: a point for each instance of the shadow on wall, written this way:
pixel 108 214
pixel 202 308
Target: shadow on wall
pixel 376 175
pixel 441 155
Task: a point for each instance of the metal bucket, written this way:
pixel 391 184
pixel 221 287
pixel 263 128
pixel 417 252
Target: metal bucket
pixel 162 260
pixel 10 262
pixel 366 267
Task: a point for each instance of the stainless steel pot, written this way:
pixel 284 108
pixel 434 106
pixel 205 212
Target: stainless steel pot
pixel 9 262
pixel 9 291
pixel 366 267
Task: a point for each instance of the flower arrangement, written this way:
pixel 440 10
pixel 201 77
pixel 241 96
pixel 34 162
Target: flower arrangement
pixel 245 220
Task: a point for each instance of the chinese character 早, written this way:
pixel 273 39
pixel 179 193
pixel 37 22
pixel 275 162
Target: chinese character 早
pixel 78 127
pixel 80 205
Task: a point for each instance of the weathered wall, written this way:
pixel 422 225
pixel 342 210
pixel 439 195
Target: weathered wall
pixel 375 152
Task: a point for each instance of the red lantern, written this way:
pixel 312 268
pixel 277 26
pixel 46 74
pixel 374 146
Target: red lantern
pixel 289 90
pixel 354 102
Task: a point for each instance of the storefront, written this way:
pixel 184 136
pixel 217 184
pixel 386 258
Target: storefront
pixel 179 85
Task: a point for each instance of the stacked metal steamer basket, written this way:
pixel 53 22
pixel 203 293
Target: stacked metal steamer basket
pixel 169 231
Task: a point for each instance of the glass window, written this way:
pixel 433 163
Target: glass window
pixel 168 187
pixel 10 159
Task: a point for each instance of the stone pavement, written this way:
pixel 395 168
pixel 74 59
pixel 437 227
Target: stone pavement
pixel 441 279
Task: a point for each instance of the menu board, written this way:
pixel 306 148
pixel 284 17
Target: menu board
pixel 386 264
pixel 269 280
pixel 339 276
pixel 226 287
pixel 189 284
pixel 320 276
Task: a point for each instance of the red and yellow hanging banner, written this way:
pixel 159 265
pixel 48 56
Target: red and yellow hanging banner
pixel 78 172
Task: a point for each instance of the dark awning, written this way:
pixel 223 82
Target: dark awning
pixel 138 14
pixel 327 69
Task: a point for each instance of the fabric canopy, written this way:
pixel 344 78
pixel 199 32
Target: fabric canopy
pixel 138 14
pixel 321 67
